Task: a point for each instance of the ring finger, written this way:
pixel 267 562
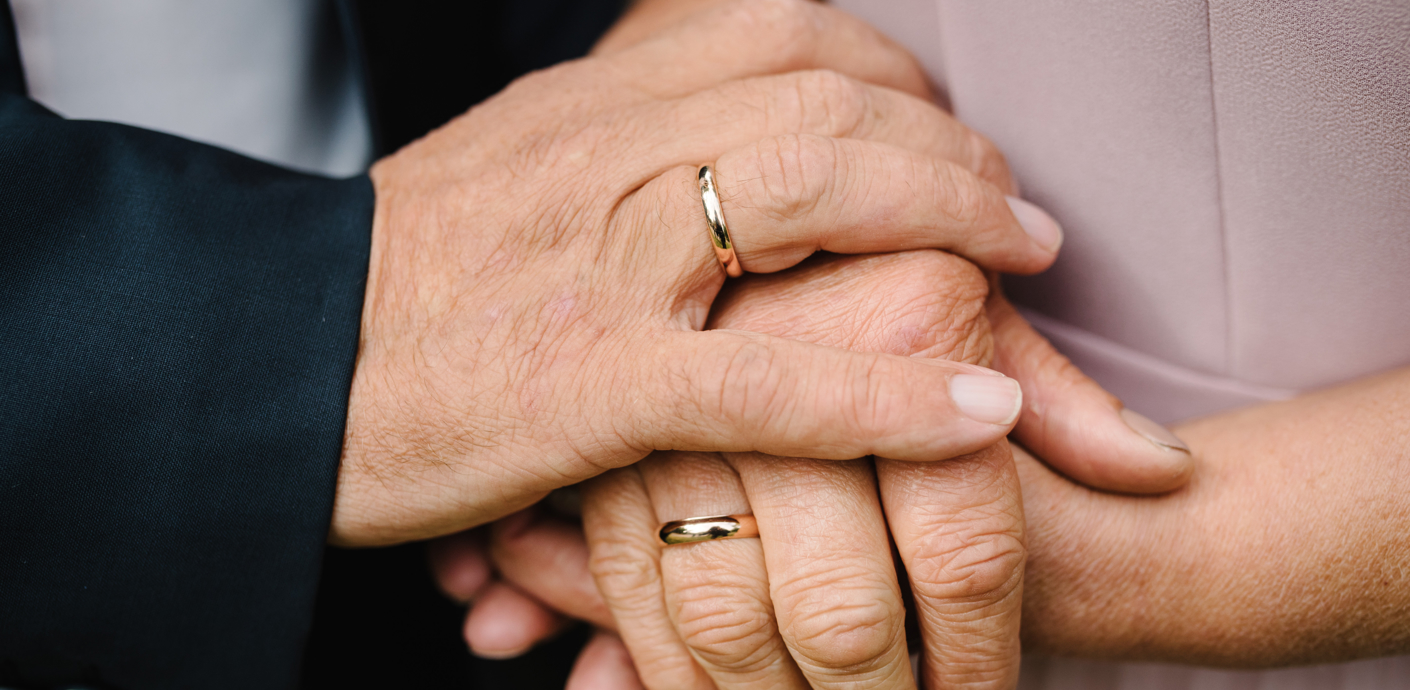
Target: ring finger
pixel 716 593
pixel 692 615
pixel 787 197
pixel 824 536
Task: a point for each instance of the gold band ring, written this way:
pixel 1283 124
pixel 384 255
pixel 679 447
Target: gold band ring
pixel 715 218
pixel 691 530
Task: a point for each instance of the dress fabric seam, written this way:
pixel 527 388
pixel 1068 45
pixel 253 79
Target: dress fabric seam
pixel 1229 363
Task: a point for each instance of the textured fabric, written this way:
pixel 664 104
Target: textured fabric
pixel 1234 180
pixel 267 78
pixel 178 327
pixel 1150 384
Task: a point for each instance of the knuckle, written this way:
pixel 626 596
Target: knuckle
pixel 986 160
pixel 968 569
pixel 785 22
pixel 718 619
pixel 967 198
pixel 870 398
pixel 792 172
pixel 830 103
pixel 620 567
pixel 919 318
pixel 749 387
pixel 841 620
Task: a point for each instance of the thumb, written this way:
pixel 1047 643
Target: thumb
pixel 731 391
pixel 604 664
pixel 1074 425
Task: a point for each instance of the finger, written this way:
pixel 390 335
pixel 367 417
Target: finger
pixel 831 576
pixel 505 623
pixel 787 197
pixel 734 391
pixel 828 555
pixel 958 526
pixel 922 304
pixel 604 664
pixel 459 564
pixel 749 38
pixel 717 592
pixel 1077 427
pixel 821 102
pixel 548 560
pixel 620 525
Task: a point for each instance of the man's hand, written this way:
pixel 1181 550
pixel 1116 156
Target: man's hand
pixel 540 269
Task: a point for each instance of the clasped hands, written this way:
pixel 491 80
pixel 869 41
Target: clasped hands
pixel 544 309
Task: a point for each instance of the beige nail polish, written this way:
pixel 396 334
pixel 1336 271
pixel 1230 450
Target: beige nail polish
pixel 988 399
pixel 1037 223
pixel 1153 432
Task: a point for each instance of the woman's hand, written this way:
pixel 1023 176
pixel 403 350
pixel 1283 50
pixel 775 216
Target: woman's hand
pixel 1074 418
pixel 815 602
pixel 1288 547
pixel 540 270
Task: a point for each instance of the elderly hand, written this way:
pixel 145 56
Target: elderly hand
pixel 815 602
pixel 540 269
pixel 1076 421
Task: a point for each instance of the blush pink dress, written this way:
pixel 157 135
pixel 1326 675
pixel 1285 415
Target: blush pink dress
pixel 1234 180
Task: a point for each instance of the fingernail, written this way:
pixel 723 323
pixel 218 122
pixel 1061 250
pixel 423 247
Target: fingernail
pixel 988 399
pixel 497 654
pixel 1153 432
pixel 1037 223
pixel 514 524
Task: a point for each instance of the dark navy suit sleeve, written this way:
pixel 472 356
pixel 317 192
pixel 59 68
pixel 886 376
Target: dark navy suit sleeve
pixel 178 329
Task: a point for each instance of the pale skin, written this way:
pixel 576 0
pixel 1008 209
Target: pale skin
pixel 1286 548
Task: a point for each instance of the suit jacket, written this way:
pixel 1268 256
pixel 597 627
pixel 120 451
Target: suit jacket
pixel 178 331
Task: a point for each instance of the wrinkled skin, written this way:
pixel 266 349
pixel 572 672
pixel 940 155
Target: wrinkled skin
pixel 540 270
pixel 1288 547
pixel 815 602
pixel 968 611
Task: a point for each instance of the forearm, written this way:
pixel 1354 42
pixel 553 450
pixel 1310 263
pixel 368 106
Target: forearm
pixel 1312 499
pixel 1288 546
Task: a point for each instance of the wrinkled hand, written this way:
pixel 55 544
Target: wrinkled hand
pixel 815 601
pixel 1072 419
pixel 1282 550
pixel 540 270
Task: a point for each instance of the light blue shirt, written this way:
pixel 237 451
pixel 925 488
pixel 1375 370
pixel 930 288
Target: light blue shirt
pixel 267 78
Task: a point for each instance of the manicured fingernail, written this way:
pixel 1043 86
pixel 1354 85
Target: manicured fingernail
pixel 1037 223
pixel 1153 432
pixel 988 399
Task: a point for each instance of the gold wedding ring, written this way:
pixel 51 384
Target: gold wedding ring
pixel 691 530
pixel 715 218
